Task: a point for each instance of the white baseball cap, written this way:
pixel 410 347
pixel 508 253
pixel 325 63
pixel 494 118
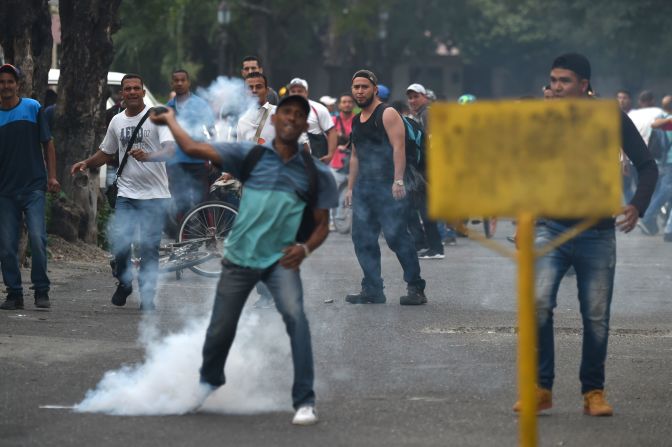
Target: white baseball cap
pixel 418 88
pixel 328 100
pixel 299 81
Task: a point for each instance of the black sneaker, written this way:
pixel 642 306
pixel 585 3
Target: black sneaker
pixel 42 299
pixel 431 254
pixel 365 297
pixel 120 295
pixel 14 301
pixel 414 297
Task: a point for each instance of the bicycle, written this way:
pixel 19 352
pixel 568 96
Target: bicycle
pixel 173 257
pixel 208 224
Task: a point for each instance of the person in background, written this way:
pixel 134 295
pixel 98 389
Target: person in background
pixel 321 136
pixel 188 176
pixel 252 64
pixel 27 171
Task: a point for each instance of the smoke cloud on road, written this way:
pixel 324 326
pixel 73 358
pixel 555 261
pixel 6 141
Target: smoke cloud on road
pixel 258 373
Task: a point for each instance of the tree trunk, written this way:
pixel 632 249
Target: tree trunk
pixel 26 40
pixel 87 52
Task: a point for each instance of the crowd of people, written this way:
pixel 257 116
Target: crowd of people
pixel 293 156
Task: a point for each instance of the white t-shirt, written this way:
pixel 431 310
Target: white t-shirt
pixel 643 118
pixel 250 121
pixel 319 122
pixel 139 180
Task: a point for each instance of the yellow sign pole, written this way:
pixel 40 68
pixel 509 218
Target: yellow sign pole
pixel 527 332
pixel 519 159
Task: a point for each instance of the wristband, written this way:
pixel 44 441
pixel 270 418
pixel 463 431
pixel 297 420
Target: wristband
pixel 306 250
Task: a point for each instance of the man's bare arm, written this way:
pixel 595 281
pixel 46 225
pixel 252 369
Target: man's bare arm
pixel 98 159
pixel 50 159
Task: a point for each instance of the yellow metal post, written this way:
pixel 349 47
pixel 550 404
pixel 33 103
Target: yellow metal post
pixel 527 332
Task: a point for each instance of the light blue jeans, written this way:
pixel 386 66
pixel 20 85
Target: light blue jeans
pixel 593 256
pixel 138 222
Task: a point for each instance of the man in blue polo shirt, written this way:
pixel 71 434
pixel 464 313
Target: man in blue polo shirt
pixel 281 180
pixel 188 176
pixel 24 134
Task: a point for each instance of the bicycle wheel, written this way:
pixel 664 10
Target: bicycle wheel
pixel 183 261
pixel 211 222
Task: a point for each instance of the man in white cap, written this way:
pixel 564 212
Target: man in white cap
pixel 321 136
pixel 418 101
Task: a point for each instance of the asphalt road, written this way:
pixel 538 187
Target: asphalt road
pixel 443 374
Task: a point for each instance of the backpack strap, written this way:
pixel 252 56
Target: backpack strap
pixel 311 170
pixel 131 142
pixel 250 161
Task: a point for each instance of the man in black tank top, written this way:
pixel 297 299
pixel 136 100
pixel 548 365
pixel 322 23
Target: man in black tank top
pixel 377 194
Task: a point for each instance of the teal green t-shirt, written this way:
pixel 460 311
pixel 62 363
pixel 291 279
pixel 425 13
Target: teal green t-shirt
pixel 271 207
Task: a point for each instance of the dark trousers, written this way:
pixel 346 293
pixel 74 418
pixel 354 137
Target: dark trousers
pixel 235 285
pixel 374 209
pixel 425 231
pixel 188 184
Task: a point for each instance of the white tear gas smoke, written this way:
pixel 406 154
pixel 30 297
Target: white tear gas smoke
pixel 258 374
pixel 229 98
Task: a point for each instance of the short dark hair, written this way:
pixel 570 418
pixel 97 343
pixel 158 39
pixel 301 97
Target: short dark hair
pixel 625 92
pixel 180 70
pixel 256 74
pixel 252 58
pixel 342 95
pixel 368 74
pixel 132 76
pixel 646 96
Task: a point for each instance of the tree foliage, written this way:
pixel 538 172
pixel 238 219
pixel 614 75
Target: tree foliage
pixel 294 35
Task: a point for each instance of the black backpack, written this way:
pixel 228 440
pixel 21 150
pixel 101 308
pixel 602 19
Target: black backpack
pixel 307 225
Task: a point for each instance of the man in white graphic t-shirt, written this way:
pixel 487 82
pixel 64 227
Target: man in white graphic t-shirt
pixel 143 191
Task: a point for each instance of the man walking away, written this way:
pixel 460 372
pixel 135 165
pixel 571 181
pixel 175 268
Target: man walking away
pixel 377 194
pixel 25 146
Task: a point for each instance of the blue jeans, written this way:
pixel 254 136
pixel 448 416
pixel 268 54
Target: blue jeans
pixel 593 256
pixel 235 285
pixel 374 209
pixel 138 222
pixel 662 194
pixel 32 206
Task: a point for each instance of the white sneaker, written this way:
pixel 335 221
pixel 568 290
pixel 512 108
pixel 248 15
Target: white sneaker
pixel 201 394
pixel 305 415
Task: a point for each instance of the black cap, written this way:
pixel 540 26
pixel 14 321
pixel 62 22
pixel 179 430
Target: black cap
pixel 576 62
pixel 9 68
pixel 366 74
pixel 305 105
